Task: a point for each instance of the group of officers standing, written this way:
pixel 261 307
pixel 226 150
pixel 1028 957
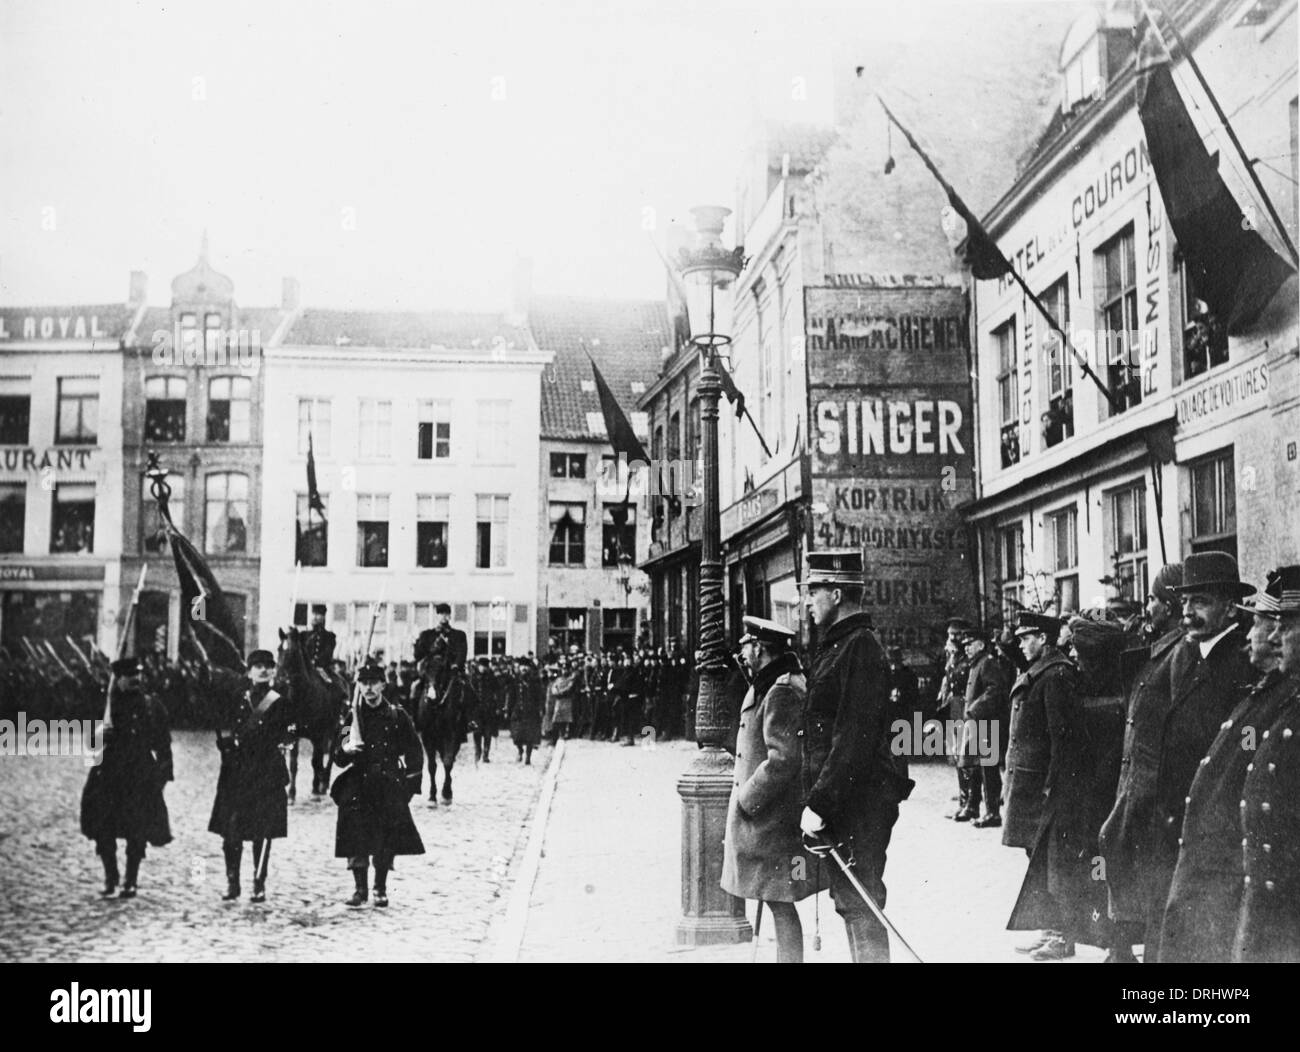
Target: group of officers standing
pixel 1150 775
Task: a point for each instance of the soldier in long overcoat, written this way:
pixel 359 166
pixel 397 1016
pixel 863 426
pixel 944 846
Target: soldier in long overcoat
pixel 1175 712
pixel 763 854
pixel 984 731
pixel 123 797
pixel 383 765
pixel 1205 894
pixel 525 712
pixel 1046 786
pixel 251 802
pixel 854 780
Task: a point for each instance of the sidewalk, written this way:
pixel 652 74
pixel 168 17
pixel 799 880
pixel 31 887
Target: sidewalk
pixel 608 887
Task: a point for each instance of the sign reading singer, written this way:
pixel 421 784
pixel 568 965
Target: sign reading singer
pixel 891 449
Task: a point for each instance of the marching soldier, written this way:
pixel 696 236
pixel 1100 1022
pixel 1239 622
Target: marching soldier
pixel 854 782
pixel 123 798
pixel 1205 896
pixel 384 764
pixel 1268 926
pixel 251 802
pixel 1176 709
pixel 485 720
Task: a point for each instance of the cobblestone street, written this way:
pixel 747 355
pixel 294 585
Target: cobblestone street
pixel 442 902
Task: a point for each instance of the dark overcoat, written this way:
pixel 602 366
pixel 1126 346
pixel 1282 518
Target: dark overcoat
pixel 526 709
pixel 988 703
pixel 374 791
pixel 1175 711
pixel 763 855
pixel 1268 926
pixel 123 797
pixel 251 802
pixel 848 763
pixel 1045 747
pixel 1205 895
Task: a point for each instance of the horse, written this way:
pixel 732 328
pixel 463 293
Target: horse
pixel 442 722
pixel 318 707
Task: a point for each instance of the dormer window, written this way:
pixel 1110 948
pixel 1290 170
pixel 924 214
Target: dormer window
pixel 1082 75
pixel 1097 45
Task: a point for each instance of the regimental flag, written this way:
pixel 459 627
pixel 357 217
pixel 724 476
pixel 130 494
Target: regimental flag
pixel 981 253
pixel 1234 270
pixel 314 501
pixel 732 392
pixel 204 610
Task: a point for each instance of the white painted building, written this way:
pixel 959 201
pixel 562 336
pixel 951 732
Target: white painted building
pixel 424 428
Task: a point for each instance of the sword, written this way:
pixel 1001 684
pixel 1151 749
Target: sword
pixel 821 844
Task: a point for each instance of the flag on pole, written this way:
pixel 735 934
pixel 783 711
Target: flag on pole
pixel 1234 270
pixel 617 425
pixel 314 501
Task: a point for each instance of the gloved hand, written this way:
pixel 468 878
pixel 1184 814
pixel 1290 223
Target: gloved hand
pixel 811 822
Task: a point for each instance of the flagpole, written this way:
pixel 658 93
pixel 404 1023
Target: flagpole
pixel 1223 119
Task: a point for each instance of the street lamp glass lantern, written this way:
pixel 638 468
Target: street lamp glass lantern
pixel 709 273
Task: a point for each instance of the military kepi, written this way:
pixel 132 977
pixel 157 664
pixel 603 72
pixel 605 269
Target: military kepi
pixel 833 566
pixel 1281 594
pixel 761 630
pixel 1030 622
pixel 126 667
pixel 261 657
pixel 370 674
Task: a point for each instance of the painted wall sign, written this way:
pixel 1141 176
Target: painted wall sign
pixel 891 450
pixel 1216 396
pixel 82 570
pixel 52 327
pixel 38 460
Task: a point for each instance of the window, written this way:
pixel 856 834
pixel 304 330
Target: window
pixel 675 606
pixel 568 534
pixel 1004 339
pixel 1058 421
pixel 374 428
pixel 619 630
pixel 493 514
pixel 1082 75
pixel 433 440
pixel 1117 325
pixel 1205 339
pixel 13 516
pixel 304 612
pixel 226 513
pixel 1214 504
pixel 211 333
pixel 675 437
pixel 15 411
pixel 314 419
pixel 372 529
pixel 312 532
pixel 1126 534
pixel 153 534
pixel 229 409
pixel 568 465
pixel 568 627
pixel 72 528
pixel 1011 569
pixel 1063 557
pixel 190 337
pixel 694 438
pixel 489 627
pixel 618 539
pixel 78 409
pixel 432 519
pixel 493 432
pixel 164 409
pixel 361 614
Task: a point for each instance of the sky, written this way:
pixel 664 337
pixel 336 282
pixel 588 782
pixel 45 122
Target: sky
pixel 390 155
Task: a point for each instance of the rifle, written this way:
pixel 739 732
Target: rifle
pixel 121 644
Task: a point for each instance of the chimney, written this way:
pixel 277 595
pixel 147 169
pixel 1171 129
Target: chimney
pixel 521 291
pixel 138 289
pixel 290 294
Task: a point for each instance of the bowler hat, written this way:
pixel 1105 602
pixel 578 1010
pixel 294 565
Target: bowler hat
pixel 126 667
pixel 761 630
pixel 1213 572
pixel 833 566
pixel 1030 622
pixel 1281 594
pixel 261 657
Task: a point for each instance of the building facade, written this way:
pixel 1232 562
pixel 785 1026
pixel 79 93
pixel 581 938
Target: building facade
pixel 61 478
pixel 192 395
pixel 1085 494
pixel 592 594
pixel 423 432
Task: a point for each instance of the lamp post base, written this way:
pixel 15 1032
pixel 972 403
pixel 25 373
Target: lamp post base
pixel 710 916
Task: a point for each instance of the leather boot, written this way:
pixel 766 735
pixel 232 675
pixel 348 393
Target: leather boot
pixel 132 874
pixel 234 851
pixel 381 888
pixel 108 854
pixel 360 895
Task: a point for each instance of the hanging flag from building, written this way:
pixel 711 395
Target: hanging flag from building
pixel 204 610
pixel 981 254
pixel 314 501
pixel 1233 269
pixel 617 425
